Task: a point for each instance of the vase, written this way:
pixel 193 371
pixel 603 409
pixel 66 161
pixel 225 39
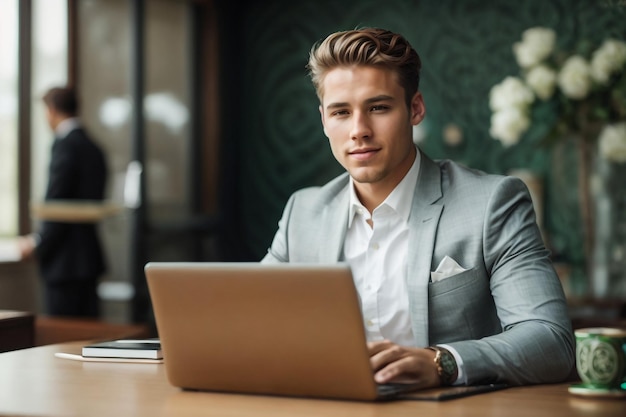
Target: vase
pixel 586 219
pixel 607 263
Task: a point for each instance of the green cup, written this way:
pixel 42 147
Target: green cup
pixel 601 360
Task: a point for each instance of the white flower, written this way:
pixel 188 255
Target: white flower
pixel 542 80
pixel 607 59
pixel 574 78
pixel 508 125
pixel 537 43
pixel 613 142
pixel 511 92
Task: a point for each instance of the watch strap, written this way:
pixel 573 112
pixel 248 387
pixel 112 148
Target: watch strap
pixel 446 365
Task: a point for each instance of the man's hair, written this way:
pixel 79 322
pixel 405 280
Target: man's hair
pixel 367 46
pixel 62 99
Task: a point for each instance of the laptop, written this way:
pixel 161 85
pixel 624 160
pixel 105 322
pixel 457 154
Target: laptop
pixel 280 329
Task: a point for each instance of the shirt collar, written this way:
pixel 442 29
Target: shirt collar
pixel 355 204
pixel 66 126
pixel 399 199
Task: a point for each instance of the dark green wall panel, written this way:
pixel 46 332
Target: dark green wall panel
pixel 465 47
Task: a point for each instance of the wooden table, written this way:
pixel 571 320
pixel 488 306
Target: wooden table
pixel 17 330
pixel 74 211
pixel 33 382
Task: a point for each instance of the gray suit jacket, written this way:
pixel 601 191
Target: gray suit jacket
pixel 506 315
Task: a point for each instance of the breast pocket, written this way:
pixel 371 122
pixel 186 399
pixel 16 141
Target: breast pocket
pixel 461 307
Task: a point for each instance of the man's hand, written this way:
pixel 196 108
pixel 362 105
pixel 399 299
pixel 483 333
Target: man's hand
pixel 26 245
pixel 393 363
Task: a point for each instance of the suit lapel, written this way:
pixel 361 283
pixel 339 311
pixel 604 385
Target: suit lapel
pixel 426 211
pixel 333 228
pixel 425 214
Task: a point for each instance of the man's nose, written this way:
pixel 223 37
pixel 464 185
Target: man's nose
pixel 361 128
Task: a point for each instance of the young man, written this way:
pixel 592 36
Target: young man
pixel 455 283
pixel 70 256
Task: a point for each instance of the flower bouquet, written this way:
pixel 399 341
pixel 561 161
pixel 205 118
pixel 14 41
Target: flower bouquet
pixel 583 91
pixel 588 90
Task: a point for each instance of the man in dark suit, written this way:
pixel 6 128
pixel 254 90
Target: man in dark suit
pixel 70 255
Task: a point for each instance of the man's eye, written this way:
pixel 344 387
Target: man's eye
pixel 339 113
pixel 379 107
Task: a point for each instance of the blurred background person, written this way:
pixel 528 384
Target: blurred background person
pixel 69 254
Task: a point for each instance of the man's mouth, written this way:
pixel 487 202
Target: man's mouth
pixel 363 154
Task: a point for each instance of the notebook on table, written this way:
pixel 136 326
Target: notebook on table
pixel 287 329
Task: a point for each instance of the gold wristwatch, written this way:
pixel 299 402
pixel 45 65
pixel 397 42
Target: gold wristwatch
pixel 446 365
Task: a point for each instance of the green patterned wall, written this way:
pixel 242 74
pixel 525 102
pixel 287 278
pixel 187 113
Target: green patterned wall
pixel 465 47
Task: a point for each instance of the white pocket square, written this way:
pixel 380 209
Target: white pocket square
pixel 447 268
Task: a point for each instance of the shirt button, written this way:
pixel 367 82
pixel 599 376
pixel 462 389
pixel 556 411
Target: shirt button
pixel 369 323
pixel 375 246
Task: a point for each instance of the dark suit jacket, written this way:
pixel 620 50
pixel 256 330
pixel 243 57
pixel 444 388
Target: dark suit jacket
pixel 72 251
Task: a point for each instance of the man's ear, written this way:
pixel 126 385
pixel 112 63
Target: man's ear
pixel 418 109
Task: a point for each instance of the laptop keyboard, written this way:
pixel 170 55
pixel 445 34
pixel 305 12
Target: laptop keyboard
pixel 385 390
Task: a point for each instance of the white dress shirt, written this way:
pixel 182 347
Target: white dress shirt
pixel 378 258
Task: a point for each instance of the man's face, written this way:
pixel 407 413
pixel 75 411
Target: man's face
pixel 52 117
pixel 369 126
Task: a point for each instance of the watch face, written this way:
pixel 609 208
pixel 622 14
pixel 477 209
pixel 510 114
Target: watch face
pixel 448 363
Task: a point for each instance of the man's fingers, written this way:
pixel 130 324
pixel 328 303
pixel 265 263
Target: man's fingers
pixel 378 346
pixel 404 370
pixel 385 354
